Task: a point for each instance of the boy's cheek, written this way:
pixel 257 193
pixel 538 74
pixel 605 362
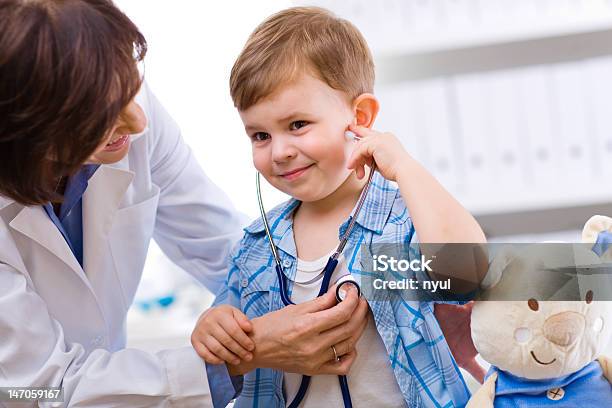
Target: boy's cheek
pixel 258 161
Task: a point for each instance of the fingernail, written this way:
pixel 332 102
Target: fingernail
pixel 248 357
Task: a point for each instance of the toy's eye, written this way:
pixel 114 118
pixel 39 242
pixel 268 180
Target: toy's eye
pixel 589 296
pixel 533 304
pixel 598 324
pixel 522 335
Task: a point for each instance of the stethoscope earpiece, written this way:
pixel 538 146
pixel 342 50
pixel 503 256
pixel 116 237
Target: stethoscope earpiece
pixel 351 135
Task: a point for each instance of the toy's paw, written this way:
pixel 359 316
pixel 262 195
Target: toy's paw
pixel 598 230
pixel 606 367
pixel 485 395
pixel 496 269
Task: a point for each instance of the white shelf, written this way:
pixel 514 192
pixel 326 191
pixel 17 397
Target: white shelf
pixel 395 27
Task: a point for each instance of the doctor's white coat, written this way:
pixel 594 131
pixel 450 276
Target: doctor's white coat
pixel 63 325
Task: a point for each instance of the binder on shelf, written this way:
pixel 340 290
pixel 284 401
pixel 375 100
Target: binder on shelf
pixel 401 115
pixel 474 130
pixel 598 77
pixel 540 148
pixel 503 130
pixel 439 127
pixel 570 125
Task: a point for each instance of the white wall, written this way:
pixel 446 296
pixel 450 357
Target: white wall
pixel 192 47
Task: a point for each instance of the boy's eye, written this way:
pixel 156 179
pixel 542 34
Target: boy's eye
pixel 297 124
pixel 260 136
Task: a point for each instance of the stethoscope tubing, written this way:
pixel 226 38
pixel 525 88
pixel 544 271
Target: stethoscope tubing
pixel 330 266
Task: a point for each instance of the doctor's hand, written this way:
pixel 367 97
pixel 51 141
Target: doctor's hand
pixel 221 336
pixel 383 148
pixel 299 338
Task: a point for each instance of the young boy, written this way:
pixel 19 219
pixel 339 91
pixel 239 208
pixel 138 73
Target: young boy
pixel 302 80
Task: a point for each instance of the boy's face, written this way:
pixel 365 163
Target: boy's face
pixel 297 137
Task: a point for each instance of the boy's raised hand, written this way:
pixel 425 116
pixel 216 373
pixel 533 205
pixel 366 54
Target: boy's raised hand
pixel 384 148
pixel 221 336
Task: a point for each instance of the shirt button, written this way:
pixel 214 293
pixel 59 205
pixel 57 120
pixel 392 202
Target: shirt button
pixel 287 263
pixel 245 283
pixel 555 394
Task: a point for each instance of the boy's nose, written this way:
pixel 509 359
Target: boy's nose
pixel 282 150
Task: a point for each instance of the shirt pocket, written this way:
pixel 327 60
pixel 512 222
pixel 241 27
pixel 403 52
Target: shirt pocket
pixel 255 292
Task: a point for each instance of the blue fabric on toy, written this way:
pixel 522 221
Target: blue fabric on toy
pixel 585 388
pixel 604 239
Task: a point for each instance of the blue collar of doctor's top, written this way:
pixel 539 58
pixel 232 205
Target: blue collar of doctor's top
pixel 70 219
pixel 373 216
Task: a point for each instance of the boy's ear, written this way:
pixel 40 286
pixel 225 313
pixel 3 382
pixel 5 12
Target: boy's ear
pixel 365 107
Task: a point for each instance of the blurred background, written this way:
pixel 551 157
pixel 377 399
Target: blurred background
pixel 505 101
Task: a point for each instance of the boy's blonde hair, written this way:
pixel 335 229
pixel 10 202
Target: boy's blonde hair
pixel 301 40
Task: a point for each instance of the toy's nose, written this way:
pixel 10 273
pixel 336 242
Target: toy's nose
pixel 564 328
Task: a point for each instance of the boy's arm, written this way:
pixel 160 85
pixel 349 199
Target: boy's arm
pixel 438 218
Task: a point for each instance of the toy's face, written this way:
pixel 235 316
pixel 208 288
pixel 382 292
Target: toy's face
pixel 541 340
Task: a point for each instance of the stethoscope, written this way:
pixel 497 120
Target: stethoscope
pixel 327 273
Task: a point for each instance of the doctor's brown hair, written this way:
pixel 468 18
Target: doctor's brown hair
pixel 301 40
pixel 67 70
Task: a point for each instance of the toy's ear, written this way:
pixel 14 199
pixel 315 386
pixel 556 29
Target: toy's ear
pixel 594 226
pixel 598 231
pixel 496 269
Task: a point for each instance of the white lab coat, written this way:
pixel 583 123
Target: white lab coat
pixel 63 325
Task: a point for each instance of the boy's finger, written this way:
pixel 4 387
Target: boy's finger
pixel 232 328
pixel 360 172
pixel 362 155
pixel 206 355
pixel 243 321
pixel 215 347
pixel 358 157
pixel 362 131
pixel 221 334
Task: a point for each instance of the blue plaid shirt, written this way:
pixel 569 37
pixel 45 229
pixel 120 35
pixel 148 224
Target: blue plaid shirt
pixel 424 367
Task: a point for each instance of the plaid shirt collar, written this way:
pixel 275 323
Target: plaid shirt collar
pixel 373 215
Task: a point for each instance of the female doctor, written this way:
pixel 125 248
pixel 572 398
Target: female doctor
pixel 91 168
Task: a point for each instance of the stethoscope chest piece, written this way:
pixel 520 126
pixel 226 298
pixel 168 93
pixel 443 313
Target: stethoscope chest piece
pixel 343 285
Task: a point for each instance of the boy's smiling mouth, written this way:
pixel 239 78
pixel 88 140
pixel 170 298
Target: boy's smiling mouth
pixel 295 173
pixel 539 362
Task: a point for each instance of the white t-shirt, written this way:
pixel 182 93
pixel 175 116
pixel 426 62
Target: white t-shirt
pixel 371 380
